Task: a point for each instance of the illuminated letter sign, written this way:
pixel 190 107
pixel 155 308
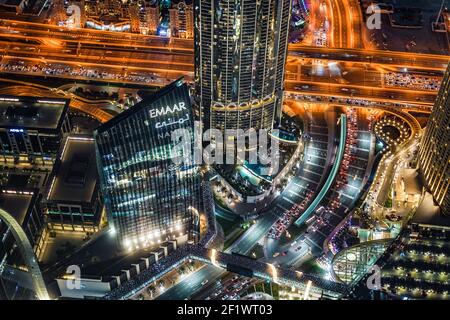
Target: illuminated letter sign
pixel 16 130
pixel 154 113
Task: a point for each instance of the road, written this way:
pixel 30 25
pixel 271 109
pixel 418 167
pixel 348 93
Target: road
pixel 381 57
pixel 227 287
pixel 290 254
pixel 387 170
pixel 182 50
pixel 132 58
pixel 95 36
pixel 188 286
pixel 157 62
pixel 86 47
pixel 192 283
pixel 23 88
pixel 365 92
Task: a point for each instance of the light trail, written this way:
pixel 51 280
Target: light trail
pixel 213 258
pixel 307 290
pixel 274 273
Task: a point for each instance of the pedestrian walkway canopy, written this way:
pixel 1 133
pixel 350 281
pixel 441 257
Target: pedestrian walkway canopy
pixel 351 264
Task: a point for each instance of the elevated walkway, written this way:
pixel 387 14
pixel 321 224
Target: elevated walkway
pixel 234 263
pixel 27 252
pixel 334 171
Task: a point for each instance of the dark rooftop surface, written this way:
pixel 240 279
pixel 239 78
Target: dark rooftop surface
pixel 32 113
pixel 16 205
pixel 76 177
pixel 18 181
pixel 11 2
pixel 114 266
pixel 429 213
pixel 101 258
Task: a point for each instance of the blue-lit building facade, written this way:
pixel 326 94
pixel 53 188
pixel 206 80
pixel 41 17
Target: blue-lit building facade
pixel 148 197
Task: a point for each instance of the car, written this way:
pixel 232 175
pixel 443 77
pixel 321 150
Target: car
pixel 204 282
pixel 225 297
pixel 233 296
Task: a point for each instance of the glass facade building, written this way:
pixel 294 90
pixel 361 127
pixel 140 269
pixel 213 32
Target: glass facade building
pixel 435 148
pixel 240 56
pixel 147 196
pixel 32 129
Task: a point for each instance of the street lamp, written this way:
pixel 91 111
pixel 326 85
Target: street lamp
pixel 274 272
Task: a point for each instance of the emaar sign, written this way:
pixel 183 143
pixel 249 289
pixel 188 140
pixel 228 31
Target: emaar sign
pixel 154 113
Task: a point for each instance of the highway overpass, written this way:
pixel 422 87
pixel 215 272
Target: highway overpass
pixel 234 263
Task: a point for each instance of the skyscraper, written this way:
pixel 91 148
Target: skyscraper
pixel 147 196
pixel 182 20
pixel 241 48
pixel 153 18
pixel 435 148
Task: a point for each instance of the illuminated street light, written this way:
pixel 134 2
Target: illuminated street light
pixel 273 270
pixel 308 288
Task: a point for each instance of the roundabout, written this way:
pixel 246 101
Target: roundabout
pixel 393 130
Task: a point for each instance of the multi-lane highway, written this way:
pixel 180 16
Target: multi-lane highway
pixel 53 37
pixel 356 91
pixel 381 57
pixel 163 60
pixel 345 19
pixel 45 31
pixel 190 285
pixel 187 287
pixel 158 61
pixel 39 43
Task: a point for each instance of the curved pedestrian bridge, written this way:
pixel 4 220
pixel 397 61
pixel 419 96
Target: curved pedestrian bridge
pixel 236 263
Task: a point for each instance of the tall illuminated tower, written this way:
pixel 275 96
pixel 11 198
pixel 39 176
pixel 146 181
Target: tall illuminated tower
pixel 148 197
pixel 435 148
pixel 240 56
